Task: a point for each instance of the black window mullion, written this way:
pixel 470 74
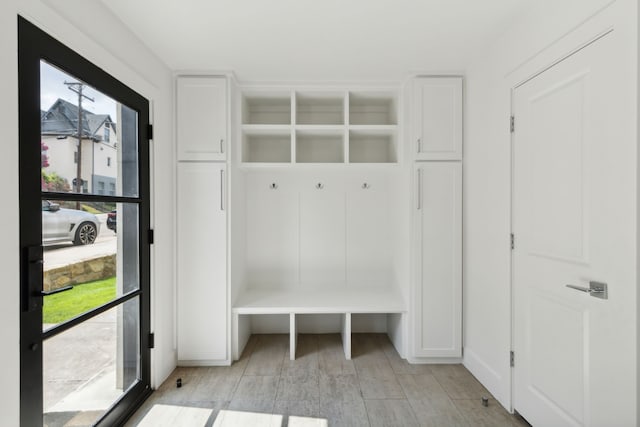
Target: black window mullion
pixel 78 197
pixel 55 330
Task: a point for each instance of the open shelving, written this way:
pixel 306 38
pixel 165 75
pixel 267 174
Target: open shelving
pixel 266 109
pixel 288 127
pixel 372 147
pixel 319 109
pixel 266 147
pixel 372 108
pixel 319 147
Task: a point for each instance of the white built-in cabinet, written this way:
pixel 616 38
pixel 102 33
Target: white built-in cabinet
pixel 437 304
pixel 202 117
pixel 202 303
pixel 302 208
pixel 437 118
pixel 436 148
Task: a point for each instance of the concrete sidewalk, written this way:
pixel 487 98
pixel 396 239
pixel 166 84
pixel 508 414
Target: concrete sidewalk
pixel 80 371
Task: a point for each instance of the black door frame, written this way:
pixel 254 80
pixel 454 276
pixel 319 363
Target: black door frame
pixel 35 45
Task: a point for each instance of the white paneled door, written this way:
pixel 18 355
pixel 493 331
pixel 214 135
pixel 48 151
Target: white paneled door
pixel 574 216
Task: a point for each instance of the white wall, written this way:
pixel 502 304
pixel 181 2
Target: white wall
pixel 539 36
pixel 90 29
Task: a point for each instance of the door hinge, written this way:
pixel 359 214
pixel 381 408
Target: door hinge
pixel 511 359
pixel 151 236
pixel 149 132
pixel 152 340
pixel 512 124
pixel 513 241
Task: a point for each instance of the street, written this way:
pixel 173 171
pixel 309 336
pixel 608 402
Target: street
pixel 66 253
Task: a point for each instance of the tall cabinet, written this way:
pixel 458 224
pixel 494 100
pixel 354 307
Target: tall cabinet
pixel 437 287
pixel 201 212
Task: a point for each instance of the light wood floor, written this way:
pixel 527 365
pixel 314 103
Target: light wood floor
pixel 320 388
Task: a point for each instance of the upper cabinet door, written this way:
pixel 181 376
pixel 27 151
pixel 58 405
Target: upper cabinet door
pixel 437 120
pixel 202 117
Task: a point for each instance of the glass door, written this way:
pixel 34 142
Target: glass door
pixel 84 239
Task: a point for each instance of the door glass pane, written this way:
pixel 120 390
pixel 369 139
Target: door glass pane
pixel 90 366
pixel 94 249
pixel 106 160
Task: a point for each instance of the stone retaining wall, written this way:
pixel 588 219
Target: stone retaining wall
pixel 80 272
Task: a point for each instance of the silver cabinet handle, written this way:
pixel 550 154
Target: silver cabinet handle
pixel 419 145
pixel 595 289
pixel 221 146
pixel 222 189
pixel 319 186
pixel 419 189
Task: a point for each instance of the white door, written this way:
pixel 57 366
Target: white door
pixel 202 263
pixel 574 216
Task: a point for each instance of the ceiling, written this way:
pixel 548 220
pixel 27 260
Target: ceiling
pixel 318 40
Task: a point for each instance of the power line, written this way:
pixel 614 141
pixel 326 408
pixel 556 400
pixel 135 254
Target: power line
pixel 78 87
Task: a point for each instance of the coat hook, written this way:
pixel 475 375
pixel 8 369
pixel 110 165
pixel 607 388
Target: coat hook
pixel 273 186
pixel 365 186
pixel 319 186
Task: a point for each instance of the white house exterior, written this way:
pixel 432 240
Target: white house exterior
pixel 99 147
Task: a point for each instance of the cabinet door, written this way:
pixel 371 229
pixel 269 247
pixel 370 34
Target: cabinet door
pixel 437 120
pixel 438 292
pixel 202 263
pixel 202 117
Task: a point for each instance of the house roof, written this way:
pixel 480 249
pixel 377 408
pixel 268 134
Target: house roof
pixel 62 119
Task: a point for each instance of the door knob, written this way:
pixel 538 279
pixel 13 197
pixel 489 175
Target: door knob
pixel 595 289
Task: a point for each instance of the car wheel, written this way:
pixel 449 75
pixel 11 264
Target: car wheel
pixel 85 234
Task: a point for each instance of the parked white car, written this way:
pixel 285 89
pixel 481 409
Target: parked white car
pixel 62 225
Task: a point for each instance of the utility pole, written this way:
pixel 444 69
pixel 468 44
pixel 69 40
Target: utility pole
pixel 78 87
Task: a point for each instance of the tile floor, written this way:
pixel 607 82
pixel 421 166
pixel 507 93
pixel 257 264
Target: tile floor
pixel 320 388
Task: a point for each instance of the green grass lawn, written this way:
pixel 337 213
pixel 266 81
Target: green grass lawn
pixel 84 297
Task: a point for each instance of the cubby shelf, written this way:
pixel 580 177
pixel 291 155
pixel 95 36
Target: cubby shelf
pixel 266 146
pixel 372 108
pixel 320 108
pixel 266 109
pixel 309 127
pixel 372 146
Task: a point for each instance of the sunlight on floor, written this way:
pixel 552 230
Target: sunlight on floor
pixel 173 415
pixel 236 419
pixel 307 422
